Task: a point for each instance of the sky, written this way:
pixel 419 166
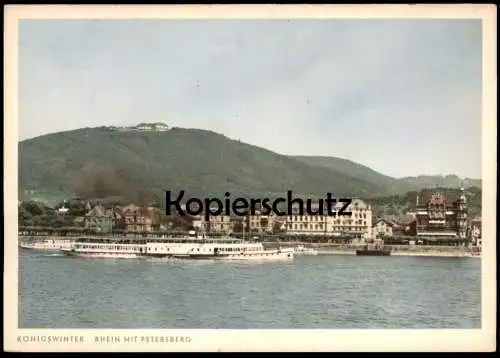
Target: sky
pixel 400 96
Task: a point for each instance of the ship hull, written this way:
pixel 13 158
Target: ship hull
pixel 103 255
pixel 306 253
pixel 238 257
pixel 372 253
pixel 45 247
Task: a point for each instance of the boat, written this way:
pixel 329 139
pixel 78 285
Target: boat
pixel 46 244
pixel 216 249
pixel 114 248
pixel 226 248
pixel 190 247
pixel 302 250
pixel 376 249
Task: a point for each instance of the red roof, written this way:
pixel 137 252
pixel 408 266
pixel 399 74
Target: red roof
pixel 426 195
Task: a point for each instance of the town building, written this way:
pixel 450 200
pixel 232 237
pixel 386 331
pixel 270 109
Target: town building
pixel 97 219
pixel 137 218
pixel 63 210
pixel 306 224
pixel 264 222
pixel 358 225
pixel 475 231
pixel 383 228
pixel 402 225
pixel 216 223
pixel 440 216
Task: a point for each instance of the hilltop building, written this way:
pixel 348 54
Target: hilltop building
pixel 143 127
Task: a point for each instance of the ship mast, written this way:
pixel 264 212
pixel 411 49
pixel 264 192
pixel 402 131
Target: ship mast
pixel 244 223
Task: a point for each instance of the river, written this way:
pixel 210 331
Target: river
pixel 331 291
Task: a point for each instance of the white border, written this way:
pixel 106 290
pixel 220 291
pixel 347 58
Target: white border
pixel 256 340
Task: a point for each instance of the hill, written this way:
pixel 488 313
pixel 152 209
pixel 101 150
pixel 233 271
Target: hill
pixel 98 162
pixel 106 161
pixel 391 185
pixel 399 205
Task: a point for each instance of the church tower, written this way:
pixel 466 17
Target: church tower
pixel 462 215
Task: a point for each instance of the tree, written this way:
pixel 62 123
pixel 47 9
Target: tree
pixel 25 218
pixel 238 227
pixel 277 228
pixel 33 207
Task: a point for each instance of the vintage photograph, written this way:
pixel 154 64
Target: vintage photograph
pixel 232 173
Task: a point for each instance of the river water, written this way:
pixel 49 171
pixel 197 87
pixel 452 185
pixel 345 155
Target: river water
pixel 333 291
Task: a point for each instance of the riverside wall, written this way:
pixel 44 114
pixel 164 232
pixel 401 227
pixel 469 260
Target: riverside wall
pixel 396 250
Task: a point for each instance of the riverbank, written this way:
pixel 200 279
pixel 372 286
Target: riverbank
pixel 400 253
pixel 337 249
pixel 413 251
pixel 396 250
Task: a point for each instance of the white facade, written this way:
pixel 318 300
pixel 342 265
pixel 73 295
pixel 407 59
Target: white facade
pixel 144 127
pixel 382 227
pixel 62 210
pixel 307 224
pixel 476 232
pixel 218 223
pixel 260 223
pixel 359 224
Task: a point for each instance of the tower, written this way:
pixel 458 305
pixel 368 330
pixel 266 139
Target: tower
pixel 462 215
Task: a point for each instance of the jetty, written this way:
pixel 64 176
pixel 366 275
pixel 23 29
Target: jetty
pixel 375 249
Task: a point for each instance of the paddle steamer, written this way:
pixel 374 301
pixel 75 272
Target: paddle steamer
pixel 100 247
pixel 190 247
pixel 305 251
pixel 46 244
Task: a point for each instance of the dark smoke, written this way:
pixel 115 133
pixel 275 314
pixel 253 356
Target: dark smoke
pixel 142 197
pixel 95 182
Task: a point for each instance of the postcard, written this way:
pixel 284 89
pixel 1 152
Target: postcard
pixel 250 178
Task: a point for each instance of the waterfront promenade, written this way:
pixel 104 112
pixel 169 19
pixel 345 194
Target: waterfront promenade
pixel 396 250
pixel 408 250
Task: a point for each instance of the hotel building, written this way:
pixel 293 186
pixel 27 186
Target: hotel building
pixel 358 225
pixel 438 216
pixel 217 224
